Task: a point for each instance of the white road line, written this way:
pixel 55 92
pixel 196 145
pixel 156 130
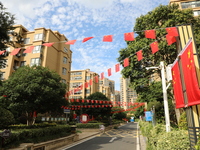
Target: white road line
pixel 113 139
pixel 138 143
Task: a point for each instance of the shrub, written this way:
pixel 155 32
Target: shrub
pixel 88 125
pixel 182 124
pixel 6 118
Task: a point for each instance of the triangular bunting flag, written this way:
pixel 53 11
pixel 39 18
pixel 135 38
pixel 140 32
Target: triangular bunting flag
pixel 139 55
pixel 48 44
pixel 170 39
pixel 126 62
pixel 107 38
pixel 172 31
pixel 154 47
pixel 151 34
pixel 29 49
pixel 71 42
pixel 86 39
pixel 15 51
pixel 117 67
pixel 129 36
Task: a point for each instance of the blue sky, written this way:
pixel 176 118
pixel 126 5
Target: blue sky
pixel 77 19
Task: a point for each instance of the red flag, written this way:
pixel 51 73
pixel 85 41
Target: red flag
pixel 15 51
pixel 86 85
pixel 109 72
pixel 77 100
pixel 48 44
pixel 90 82
pixel 126 62
pixel 151 34
pixel 170 39
pixel 86 39
pixel 102 75
pixel 29 49
pixel 71 42
pixel 83 100
pixel 154 47
pixel 129 36
pixel 172 31
pixel 177 85
pixel 1 52
pixel 72 100
pixel 117 67
pixel 139 55
pixel 107 38
pixel 96 79
pixel 190 77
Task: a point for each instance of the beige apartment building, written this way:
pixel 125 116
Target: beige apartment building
pixel 107 87
pixel 185 4
pixel 127 95
pixel 78 79
pixel 57 57
pixel 117 98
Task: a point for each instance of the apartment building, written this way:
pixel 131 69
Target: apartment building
pixel 57 57
pixel 107 87
pixel 185 4
pixel 127 95
pixel 117 98
pixel 79 78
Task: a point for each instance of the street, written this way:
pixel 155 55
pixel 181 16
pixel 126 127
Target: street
pixel 125 137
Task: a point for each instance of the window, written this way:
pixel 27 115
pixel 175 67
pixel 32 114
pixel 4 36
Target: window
pixel 87 91
pixel 65 49
pixel 2 75
pixel 196 12
pixel 192 4
pixel 37 49
pixel 76 73
pixel 26 40
pixel 39 36
pixel 64 81
pixel 64 60
pixel 23 63
pixel 35 61
pixel 3 63
pixel 87 77
pixel 75 84
pixel 64 71
pixel 8 49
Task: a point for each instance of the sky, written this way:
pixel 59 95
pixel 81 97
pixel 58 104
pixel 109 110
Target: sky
pixel 77 19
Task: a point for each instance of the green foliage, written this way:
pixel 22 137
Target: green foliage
pixel 158 138
pixel 119 115
pixel 182 124
pixel 32 89
pixel 88 125
pixel 6 118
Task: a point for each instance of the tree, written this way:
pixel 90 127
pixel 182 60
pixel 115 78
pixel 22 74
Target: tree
pixel 118 113
pixel 32 90
pixel 101 112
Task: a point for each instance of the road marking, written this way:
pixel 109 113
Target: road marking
pixel 113 139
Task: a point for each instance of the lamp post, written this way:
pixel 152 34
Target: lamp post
pixel 164 87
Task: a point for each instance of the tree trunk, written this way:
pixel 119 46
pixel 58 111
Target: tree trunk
pixel 30 118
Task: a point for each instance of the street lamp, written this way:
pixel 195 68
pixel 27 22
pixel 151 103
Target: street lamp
pixel 164 87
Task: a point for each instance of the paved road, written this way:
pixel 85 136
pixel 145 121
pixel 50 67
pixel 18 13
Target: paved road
pixel 123 138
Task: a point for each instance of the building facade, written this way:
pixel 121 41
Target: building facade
pixel 107 87
pixel 117 98
pixel 127 95
pixel 80 78
pixel 185 4
pixel 57 57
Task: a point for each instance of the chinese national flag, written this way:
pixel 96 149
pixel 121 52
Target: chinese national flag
pixel 71 42
pixel 29 49
pixel 86 39
pixel 170 39
pixel 1 52
pixel 129 36
pixel 107 38
pixel 177 85
pixel 48 44
pixel 172 31
pixel 90 82
pixel 154 47
pixel 102 75
pixel 117 67
pixel 190 77
pixel 15 51
pixel 96 79
pixel 126 62
pixel 109 72
pixel 86 85
pixel 139 55
pixel 151 34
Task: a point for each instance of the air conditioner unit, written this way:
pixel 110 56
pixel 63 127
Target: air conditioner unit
pixel 18 55
pixel 15 67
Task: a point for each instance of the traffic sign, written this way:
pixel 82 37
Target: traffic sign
pixel 67 111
